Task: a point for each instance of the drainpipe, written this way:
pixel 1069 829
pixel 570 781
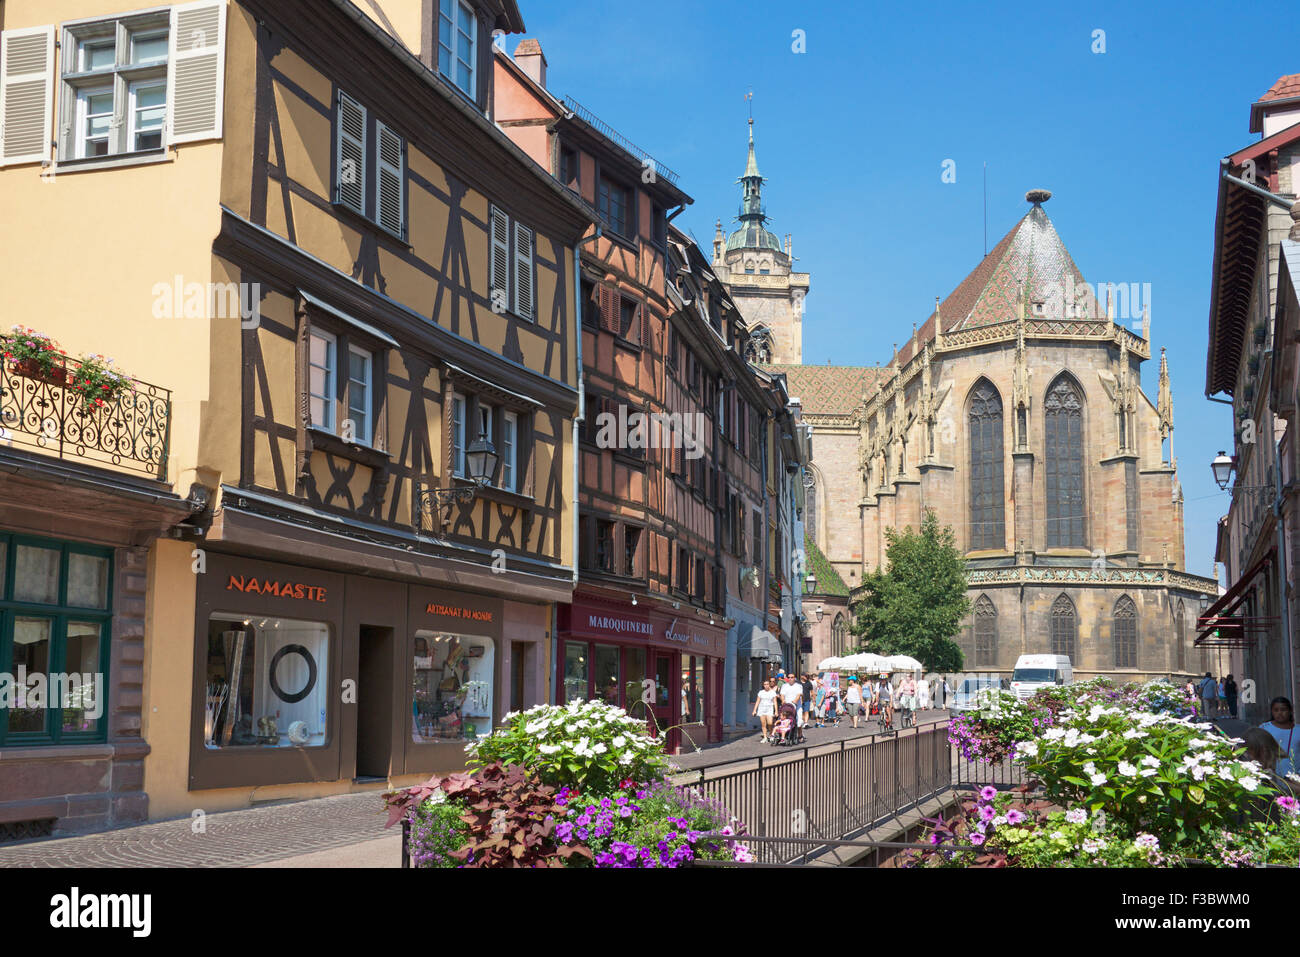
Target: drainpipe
pixel 1280 532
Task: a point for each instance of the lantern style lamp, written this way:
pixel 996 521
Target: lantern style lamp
pixel 481 459
pixel 1222 469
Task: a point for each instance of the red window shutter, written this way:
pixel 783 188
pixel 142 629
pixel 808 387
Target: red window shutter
pixel 643 316
pixel 609 309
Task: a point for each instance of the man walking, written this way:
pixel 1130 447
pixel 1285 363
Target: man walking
pixel 1209 689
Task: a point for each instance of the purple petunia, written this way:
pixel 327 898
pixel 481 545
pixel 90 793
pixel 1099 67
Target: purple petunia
pixel 988 793
pixel 1015 817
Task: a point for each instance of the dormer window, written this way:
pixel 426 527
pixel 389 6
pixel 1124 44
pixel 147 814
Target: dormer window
pixel 1039 307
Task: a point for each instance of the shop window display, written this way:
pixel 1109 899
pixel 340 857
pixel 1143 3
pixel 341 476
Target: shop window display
pixel 453 687
pixel 607 674
pixel 266 684
pixel 575 671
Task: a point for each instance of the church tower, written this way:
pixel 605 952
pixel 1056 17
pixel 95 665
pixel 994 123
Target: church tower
pixel 757 269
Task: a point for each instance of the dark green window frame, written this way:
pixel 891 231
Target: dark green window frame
pixel 60 614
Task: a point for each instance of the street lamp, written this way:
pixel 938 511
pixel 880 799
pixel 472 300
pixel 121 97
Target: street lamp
pixel 811 582
pixel 481 460
pixel 1205 602
pixel 1222 468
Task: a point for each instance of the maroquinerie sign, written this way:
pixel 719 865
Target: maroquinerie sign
pixel 252 585
pixel 620 626
pixel 597 621
pixel 459 611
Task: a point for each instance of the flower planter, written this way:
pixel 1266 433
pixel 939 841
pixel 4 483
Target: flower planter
pixel 31 369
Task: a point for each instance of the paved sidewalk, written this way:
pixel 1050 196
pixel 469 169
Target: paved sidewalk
pixel 752 746
pixel 342 831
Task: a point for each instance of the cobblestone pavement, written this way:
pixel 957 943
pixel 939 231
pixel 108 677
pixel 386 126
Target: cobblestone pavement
pixel 752 746
pixel 231 839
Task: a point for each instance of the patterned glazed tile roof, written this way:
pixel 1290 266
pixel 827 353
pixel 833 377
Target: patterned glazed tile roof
pixel 1031 255
pixel 1285 86
pixel 827 390
pixel 829 581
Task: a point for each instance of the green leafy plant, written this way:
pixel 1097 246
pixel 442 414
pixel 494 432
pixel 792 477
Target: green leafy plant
pixel 587 745
pixel 916 605
pixel 438 829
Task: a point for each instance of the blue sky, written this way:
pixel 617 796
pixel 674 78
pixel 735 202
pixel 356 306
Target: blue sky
pixel 852 135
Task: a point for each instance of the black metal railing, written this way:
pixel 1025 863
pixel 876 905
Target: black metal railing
pixel 130 431
pixel 596 123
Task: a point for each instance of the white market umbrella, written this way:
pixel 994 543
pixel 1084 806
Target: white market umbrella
pixel 828 664
pixel 875 663
pixel 905 663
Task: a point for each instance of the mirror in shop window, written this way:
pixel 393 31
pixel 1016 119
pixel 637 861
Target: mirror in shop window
pixel 266 683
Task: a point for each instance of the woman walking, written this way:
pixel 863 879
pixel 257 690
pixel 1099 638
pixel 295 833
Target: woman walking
pixel 765 708
pixel 853 700
pixel 1283 729
pixel 923 695
pixel 886 694
pixel 819 698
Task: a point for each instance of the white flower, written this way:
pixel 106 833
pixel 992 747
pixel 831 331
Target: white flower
pixel 1097 779
pixel 625 760
pixel 619 741
pixel 1076 816
pixel 1248 782
pixel 548 748
pixel 1147 772
pixel 1127 769
pixel 1151 761
pixel 1133 733
pixel 1027 748
pixel 599 748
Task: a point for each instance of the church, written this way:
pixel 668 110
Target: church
pixel 1016 412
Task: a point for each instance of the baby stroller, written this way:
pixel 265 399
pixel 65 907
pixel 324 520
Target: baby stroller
pixel 784 731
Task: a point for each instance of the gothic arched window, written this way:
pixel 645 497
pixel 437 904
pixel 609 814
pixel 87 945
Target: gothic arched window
pixel 987 528
pixel 1063 459
pixel 1065 628
pixel 839 636
pixel 1179 635
pixel 986 632
pixel 1124 627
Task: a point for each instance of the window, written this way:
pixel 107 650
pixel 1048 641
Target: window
pixel 1063 412
pixel 810 505
pixel 613 203
pixel 457 44
pixel 267 682
pixel 321 375
pixel 1124 625
pixel 658 225
pixel 631 539
pixel 511 260
pixel 683 570
pixel 138 83
pixel 986 632
pixel 605 546
pixel 569 168
pixel 575 670
pixel 360 387
pixel 590 305
pixel 1065 628
pixel 757 539
pixel 629 319
pixel 55 621
pixel 986 462
pixel 509 451
pixel 458 436
pixel 356 399
pixel 363 143
pixel 453 681
pixel 1180 636
pixel 699 578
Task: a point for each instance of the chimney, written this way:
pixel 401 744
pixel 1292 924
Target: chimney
pixel 530 58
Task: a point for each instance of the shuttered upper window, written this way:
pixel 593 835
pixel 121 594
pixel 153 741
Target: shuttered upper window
pixel 129 85
pixel 369 166
pixel 511 270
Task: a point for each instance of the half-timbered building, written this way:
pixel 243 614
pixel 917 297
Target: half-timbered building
pixel 361 295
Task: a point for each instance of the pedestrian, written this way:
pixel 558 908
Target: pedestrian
pixel 853 700
pixel 1209 693
pixel 923 695
pixel 947 693
pixel 791 694
pixel 1282 728
pixel 885 693
pixel 1223 697
pixel 1230 687
pixel 806 702
pixel 765 707
pixel 819 693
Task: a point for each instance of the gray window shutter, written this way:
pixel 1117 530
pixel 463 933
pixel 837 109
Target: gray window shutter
pixel 196 60
pixel 390 182
pixel 524 305
pixel 350 162
pixel 26 94
pixel 499 265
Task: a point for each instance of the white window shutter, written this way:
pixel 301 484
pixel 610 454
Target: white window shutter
pixel 350 161
pixel 390 182
pixel 524 271
pixel 499 265
pixel 26 94
pixel 196 59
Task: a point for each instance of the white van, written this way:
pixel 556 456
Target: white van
pixel 1039 671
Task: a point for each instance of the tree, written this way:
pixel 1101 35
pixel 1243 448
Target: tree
pixel 916 605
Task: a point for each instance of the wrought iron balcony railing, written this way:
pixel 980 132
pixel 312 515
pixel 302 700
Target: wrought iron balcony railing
pixel 130 431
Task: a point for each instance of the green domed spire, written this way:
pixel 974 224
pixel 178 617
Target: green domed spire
pixel 752 234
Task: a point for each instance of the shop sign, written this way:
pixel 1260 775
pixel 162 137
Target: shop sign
pixel 252 585
pixel 459 611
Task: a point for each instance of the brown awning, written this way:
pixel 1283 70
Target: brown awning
pixel 1219 617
